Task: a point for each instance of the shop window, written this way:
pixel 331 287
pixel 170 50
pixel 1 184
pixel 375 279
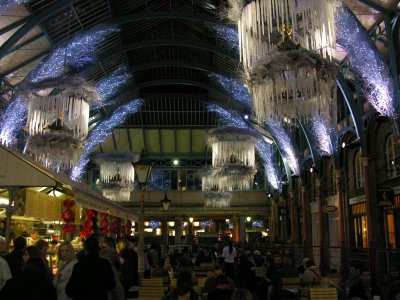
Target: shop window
pixel 390 231
pixel 360 231
pixel 359 170
pixel 391 157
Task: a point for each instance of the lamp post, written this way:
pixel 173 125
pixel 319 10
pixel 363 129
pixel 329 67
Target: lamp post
pixel 142 171
pixel 165 203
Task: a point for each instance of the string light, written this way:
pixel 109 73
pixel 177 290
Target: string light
pixel 367 62
pixel 227 33
pixel 230 118
pixel 323 136
pixel 207 223
pixel 266 153
pixel 12 119
pixel 154 224
pixel 234 87
pixel 102 131
pixel 108 85
pixel 285 145
pixel 75 53
pixel 258 224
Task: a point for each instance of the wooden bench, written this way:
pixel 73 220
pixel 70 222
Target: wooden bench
pixel 151 288
pixel 323 294
pixel 290 288
pixel 304 294
pixel 291 283
pixel 259 271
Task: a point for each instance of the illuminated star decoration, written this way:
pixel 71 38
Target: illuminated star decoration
pixel 324 136
pixel 102 131
pixel 5 4
pixel 266 153
pixel 285 145
pixel 75 53
pixel 154 224
pixel 234 87
pixel 230 118
pixel 12 119
pixel 207 223
pixel 109 85
pixel 367 62
pixel 227 33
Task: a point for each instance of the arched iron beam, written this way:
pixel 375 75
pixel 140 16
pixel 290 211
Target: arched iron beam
pixel 163 15
pixel 166 42
pixel 169 63
pixel 45 13
pixel 350 102
pixel 171 81
pixel 206 100
pixel 306 134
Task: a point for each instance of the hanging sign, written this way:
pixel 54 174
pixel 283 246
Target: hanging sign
pixel 329 209
pixel 385 197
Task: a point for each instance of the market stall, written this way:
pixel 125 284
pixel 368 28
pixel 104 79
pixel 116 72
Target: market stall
pixel 37 193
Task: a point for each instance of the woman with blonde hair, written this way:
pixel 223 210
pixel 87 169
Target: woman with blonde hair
pixel 66 262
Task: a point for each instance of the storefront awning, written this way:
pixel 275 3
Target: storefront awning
pixel 17 170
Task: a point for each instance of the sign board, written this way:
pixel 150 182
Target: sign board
pixel 329 209
pixel 385 197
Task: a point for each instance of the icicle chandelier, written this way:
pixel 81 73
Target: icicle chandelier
pixel 233 158
pixel 116 174
pixel 311 21
pixel 58 117
pixel 293 82
pixel 217 199
pixel 212 197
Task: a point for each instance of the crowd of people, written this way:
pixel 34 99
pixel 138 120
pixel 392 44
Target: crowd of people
pixel 108 270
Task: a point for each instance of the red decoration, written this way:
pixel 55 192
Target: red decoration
pixel 68 215
pixel 104 223
pixel 68 228
pixel 87 226
pixel 90 213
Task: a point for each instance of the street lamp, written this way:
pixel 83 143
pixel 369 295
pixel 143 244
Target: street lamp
pixel 142 171
pixel 165 202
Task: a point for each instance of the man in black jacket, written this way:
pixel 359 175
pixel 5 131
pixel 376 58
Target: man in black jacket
pixel 92 276
pixel 14 259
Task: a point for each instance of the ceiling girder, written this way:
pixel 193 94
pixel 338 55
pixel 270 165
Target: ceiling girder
pixel 165 42
pixel 45 13
pixel 163 15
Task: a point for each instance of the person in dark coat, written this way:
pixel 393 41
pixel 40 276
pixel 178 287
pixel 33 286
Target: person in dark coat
pixel 92 277
pixel 129 267
pixel 31 284
pixel 364 288
pixel 14 259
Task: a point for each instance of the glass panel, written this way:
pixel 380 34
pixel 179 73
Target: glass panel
pixel 391 231
pixel 364 231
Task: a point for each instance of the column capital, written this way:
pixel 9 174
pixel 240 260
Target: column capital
pixel 338 173
pixel 303 188
pixel 318 182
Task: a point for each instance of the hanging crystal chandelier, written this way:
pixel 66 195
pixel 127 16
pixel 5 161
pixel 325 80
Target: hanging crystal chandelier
pixel 233 159
pixel 311 22
pixel 293 82
pixel 58 117
pixel 116 174
pixel 217 199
